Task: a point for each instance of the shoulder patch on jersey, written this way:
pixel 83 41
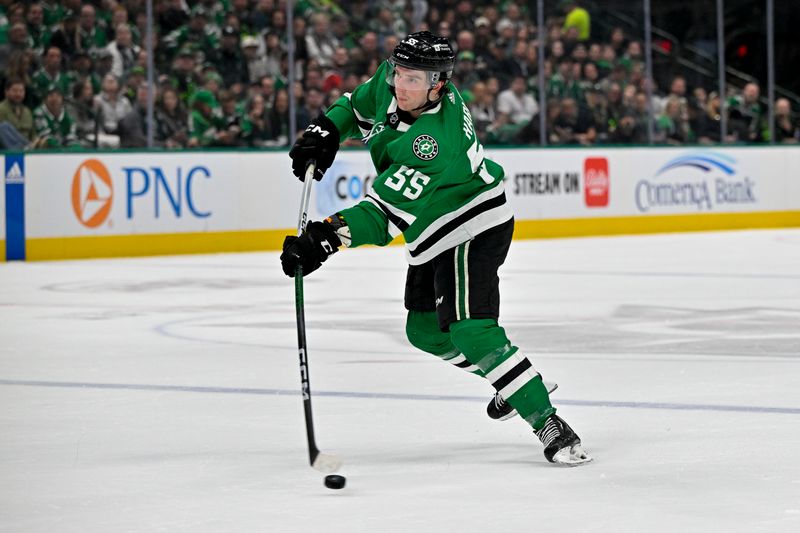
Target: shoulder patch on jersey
pixel 425 147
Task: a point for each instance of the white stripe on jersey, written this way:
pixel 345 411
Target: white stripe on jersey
pixel 434 109
pixel 468 230
pixel 394 231
pixel 408 218
pixel 444 219
pixel 359 117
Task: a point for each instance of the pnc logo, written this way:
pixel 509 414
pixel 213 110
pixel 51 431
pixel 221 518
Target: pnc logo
pixel 92 193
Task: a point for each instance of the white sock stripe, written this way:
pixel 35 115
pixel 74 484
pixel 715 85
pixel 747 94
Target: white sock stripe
pixel 506 366
pixel 458 360
pixel 517 384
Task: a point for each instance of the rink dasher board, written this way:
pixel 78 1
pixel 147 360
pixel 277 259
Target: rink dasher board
pixel 3 216
pixel 80 205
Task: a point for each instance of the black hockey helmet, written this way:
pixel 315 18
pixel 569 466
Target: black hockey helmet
pixel 427 52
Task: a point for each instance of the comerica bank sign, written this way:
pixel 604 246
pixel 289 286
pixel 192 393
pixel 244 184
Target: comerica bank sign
pixel 701 181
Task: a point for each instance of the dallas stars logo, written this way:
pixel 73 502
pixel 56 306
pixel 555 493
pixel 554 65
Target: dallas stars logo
pixel 425 147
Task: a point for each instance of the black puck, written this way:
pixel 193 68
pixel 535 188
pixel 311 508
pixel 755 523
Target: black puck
pixel 335 482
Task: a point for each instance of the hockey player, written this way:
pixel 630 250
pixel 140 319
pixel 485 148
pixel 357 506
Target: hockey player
pixel 434 186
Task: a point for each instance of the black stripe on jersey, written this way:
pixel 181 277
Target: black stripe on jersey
pixel 401 224
pixel 463 364
pixel 437 235
pixel 512 374
pixel 364 125
pixel 394 119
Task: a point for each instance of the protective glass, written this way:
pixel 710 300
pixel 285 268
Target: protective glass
pixel 408 79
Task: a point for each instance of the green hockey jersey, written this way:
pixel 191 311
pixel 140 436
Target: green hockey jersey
pixel 434 185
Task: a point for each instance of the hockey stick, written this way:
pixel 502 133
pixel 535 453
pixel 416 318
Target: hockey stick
pixel 318 460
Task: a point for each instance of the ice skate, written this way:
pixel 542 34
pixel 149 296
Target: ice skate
pixel 562 445
pixel 500 409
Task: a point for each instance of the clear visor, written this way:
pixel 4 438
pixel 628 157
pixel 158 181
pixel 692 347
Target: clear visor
pixel 409 79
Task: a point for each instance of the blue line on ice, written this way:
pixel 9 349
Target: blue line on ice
pixel 396 396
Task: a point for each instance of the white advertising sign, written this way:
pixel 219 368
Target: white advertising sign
pixel 126 194
pixel 566 183
pixel 161 193
pixel 581 183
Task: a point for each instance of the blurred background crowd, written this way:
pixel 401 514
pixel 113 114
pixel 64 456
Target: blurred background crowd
pixel 74 73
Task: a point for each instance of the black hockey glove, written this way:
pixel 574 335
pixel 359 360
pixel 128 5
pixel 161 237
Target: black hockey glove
pixel 310 249
pixel 320 142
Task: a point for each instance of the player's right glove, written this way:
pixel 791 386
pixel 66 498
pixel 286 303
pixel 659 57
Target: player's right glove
pixel 318 242
pixel 319 142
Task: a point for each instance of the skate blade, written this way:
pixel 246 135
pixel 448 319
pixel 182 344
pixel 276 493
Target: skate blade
pixel 572 456
pixel 551 386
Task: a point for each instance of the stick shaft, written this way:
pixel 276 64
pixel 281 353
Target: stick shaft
pixel 305 381
pixel 303 218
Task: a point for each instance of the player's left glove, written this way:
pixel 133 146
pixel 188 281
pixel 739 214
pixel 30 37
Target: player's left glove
pixel 310 249
pixel 319 142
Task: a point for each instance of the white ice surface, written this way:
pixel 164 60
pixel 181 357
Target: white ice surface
pixel 162 394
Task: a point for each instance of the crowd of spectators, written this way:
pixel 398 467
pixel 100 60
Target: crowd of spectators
pixel 74 74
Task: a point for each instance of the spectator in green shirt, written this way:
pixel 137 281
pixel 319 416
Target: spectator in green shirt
pixel 204 125
pixel 91 32
pixel 53 12
pixel 37 29
pixel 197 33
pixel 183 76
pixel 51 74
pixel 55 128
